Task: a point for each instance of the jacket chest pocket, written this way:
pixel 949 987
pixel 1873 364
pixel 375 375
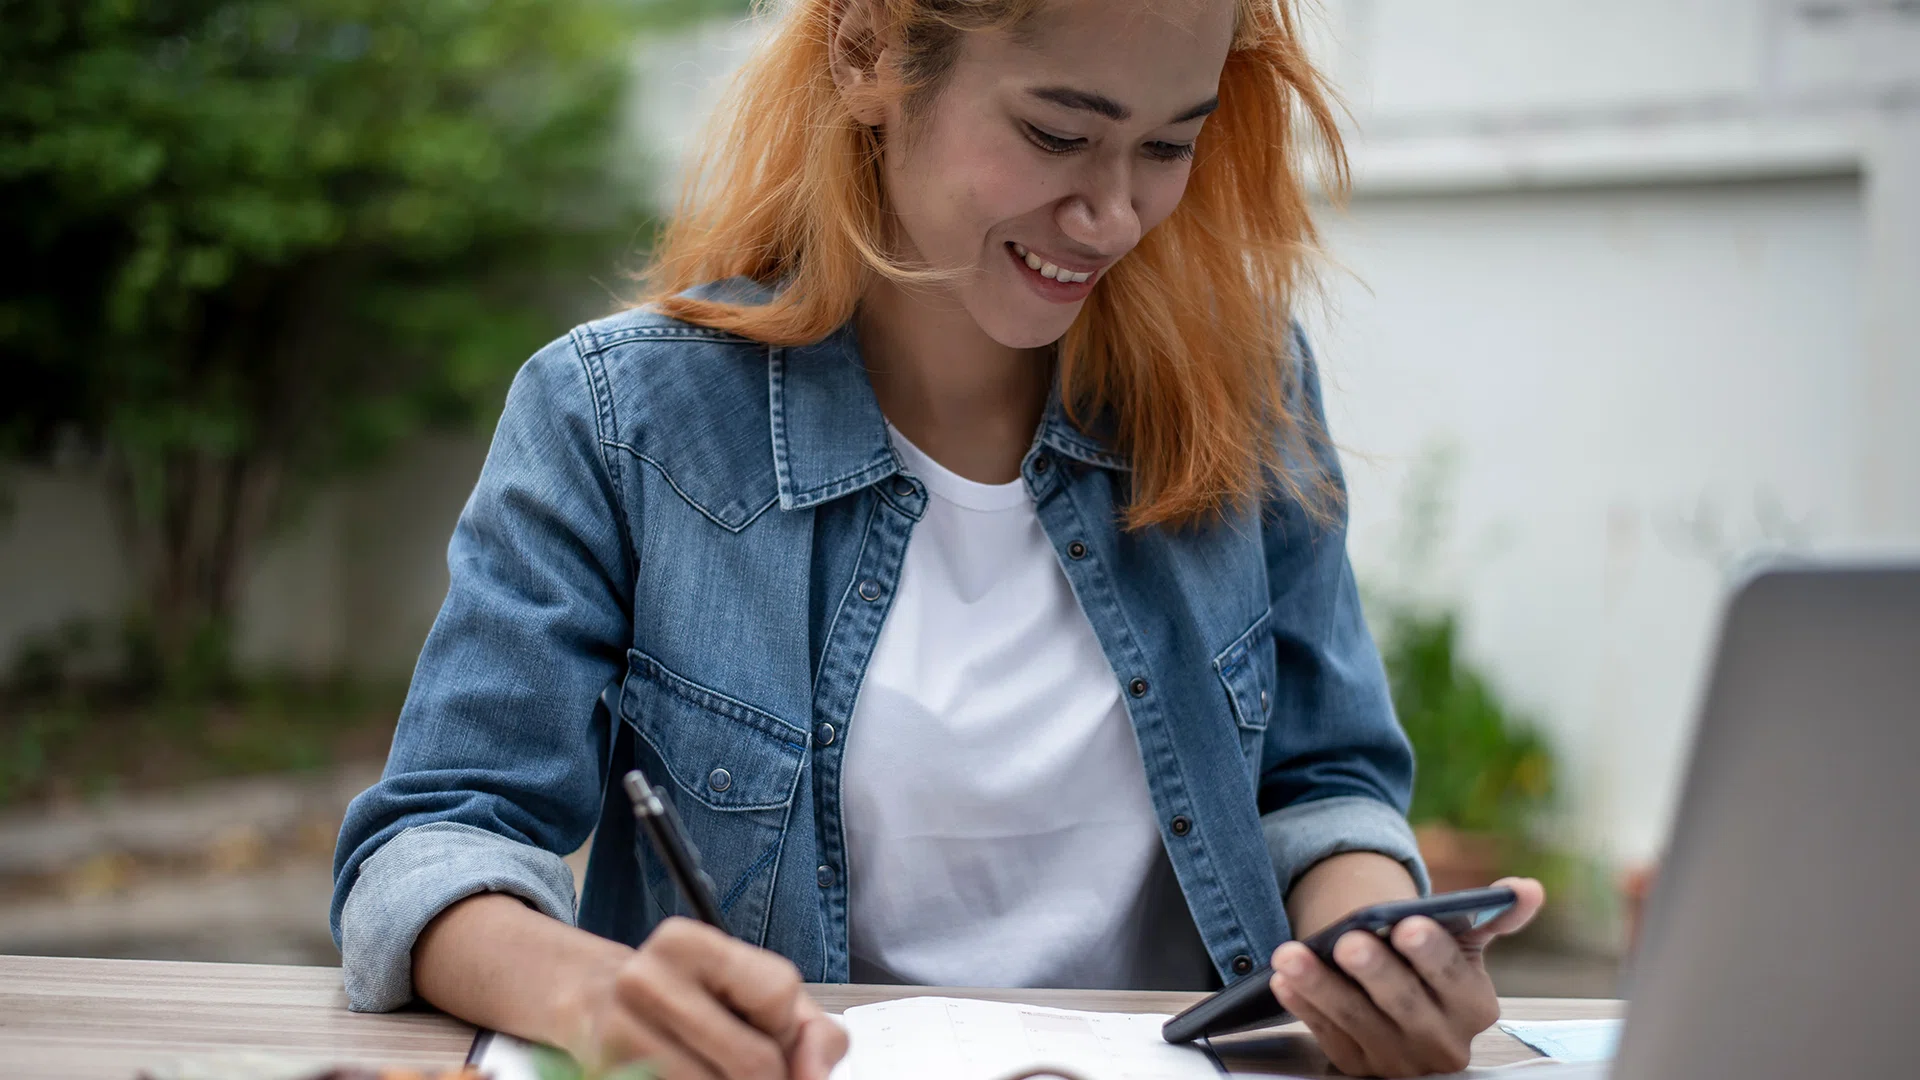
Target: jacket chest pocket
pixel 1246 671
pixel 731 771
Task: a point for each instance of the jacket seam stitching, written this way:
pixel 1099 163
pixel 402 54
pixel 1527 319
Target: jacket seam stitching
pixel 671 333
pixel 740 886
pixel 682 492
pixel 777 420
pixel 779 849
pixel 600 389
pixel 828 490
pixel 1226 670
pixel 1078 448
pixel 1220 661
pixel 833 624
pixel 696 693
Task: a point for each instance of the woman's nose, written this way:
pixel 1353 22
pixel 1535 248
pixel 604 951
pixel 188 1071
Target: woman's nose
pixel 1101 214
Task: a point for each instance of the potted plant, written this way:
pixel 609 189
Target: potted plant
pixel 1481 771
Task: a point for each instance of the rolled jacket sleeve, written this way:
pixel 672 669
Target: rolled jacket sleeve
pixel 417 875
pixel 1336 769
pixel 500 756
pixel 1303 834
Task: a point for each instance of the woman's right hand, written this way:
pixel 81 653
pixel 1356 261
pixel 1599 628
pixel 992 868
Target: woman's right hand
pixel 696 1004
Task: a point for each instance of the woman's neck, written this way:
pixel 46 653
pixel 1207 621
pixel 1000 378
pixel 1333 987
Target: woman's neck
pixel 969 402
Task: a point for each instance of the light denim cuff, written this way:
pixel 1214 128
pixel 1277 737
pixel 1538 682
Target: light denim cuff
pixel 1303 834
pixel 414 877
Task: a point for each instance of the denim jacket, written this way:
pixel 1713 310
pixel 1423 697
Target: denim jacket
pixel 678 556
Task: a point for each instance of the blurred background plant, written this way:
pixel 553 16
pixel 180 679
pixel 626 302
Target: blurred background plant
pixel 256 245
pixel 1482 768
pixel 554 1065
pixel 1485 775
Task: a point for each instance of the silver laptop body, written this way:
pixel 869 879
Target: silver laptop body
pixel 1783 937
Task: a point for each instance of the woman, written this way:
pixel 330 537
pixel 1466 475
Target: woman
pixel 953 534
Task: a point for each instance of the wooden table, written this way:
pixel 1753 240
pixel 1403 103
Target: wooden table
pixel 77 1019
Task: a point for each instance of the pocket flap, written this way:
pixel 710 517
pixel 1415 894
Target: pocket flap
pixel 722 752
pixel 1245 669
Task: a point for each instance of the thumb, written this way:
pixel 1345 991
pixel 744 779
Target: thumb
pixel 1529 897
pixel 821 1045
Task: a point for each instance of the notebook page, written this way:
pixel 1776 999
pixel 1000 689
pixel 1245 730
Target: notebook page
pixel 503 1057
pixel 933 1038
pixel 1568 1040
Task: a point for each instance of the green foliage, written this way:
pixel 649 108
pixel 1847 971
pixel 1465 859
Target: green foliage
pixel 254 243
pixel 81 739
pixel 189 179
pixel 1480 768
pixel 554 1065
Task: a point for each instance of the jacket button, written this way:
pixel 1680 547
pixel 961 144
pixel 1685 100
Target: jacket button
pixel 1040 465
pixel 823 876
pixel 1242 964
pixel 1138 687
pixel 823 735
pixel 1077 550
pixel 902 487
pixel 1181 825
pixel 719 779
pixel 1263 701
pixel 869 590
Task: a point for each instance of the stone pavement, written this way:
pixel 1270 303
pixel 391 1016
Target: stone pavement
pixel 234 870
pixel 237 870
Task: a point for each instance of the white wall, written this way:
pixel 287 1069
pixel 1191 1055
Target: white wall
pixel 59 557
pixel 1608 368
pixel 1648 269
pixel 355 584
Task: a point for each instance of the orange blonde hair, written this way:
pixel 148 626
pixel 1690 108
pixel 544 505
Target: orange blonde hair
pixel 1184 345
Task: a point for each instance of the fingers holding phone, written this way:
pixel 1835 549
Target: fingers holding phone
pixel 1408 1003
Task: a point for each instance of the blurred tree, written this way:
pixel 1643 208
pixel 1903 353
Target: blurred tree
pixel 254 244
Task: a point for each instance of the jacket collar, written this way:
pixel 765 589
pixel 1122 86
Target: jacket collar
pixel 830 438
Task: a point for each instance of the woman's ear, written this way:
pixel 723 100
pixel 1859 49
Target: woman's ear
pixel 853 54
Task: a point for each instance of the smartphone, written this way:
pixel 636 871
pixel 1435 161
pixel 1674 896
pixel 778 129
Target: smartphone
pixel 1249 1002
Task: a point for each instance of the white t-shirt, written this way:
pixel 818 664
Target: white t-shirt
pixel 997 817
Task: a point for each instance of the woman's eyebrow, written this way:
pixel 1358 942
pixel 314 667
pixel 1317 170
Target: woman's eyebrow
pixel 1092 102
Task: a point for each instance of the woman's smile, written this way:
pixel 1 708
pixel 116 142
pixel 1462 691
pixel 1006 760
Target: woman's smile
pixel 1058 281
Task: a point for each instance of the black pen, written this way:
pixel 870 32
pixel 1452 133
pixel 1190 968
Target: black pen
pixel 662 826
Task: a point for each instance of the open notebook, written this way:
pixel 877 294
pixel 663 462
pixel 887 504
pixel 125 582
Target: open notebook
pixel 935 1038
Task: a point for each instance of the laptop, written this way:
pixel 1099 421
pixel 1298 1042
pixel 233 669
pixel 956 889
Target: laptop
pixel 1783 936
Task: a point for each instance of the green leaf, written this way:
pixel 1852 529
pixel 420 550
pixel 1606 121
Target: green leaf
pixel 551 1064
pixel 288 235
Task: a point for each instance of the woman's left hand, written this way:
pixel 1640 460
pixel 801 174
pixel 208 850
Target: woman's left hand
pixel 1406 1010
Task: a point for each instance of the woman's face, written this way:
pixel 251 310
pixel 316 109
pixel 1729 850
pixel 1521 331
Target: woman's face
pixel 1044 161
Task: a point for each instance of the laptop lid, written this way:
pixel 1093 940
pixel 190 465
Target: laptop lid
pixel 1783 936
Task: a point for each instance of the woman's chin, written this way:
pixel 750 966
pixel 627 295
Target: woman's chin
pixel 1018 326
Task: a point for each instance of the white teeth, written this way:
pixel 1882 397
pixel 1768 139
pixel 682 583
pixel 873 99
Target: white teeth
pixel 1049 270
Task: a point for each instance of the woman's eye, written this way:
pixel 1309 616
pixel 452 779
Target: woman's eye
pixel 1052 144
pixel 1166 151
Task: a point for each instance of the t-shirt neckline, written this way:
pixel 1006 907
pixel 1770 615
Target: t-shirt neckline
pixel 950 486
